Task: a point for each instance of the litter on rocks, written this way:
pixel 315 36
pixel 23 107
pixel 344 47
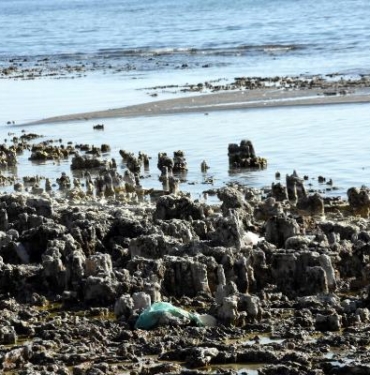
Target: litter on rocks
pixel 164 313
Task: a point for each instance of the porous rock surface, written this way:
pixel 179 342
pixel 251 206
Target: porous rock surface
pixel 288 287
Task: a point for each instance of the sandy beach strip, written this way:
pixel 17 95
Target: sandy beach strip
pixel 225 100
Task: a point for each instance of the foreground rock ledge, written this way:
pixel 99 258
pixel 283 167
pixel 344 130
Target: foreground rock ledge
pixel 285 276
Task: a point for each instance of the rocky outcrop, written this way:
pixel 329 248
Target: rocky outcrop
pixel 178 207
pixel 89 162
pixel 187 277
pixel 295 188
pixel 244 156
pixel 280 228
pixel 359 201
pixel 254 264
pixel 302 273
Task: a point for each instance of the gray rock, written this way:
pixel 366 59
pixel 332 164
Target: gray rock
pixel 152 246
pixel 42 206
pixel 279 192
pixel 252 306
pixel 312 204
pixel 227 310
pixel 267 209
pixel 326 264
pixel 54 269
pixel 295 188
pixel 200 357
pixel 233 199
pixel 141 301
pixel 280 228
pixel 178 207
pixel 331 322
pixel 244 156
pixel 8 336
pixel 228 231
pixel 228 289
pixel 99 264
pixel 4 220
pixel 359 201
pixel 297 242
pixel 302 273
pixel 101 289
pixel 124 306
pixel 186 276
pixel 180 229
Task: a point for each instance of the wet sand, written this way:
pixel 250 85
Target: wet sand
pixel 225 100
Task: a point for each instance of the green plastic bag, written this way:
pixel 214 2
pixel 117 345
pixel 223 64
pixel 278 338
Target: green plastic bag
pixel 159 312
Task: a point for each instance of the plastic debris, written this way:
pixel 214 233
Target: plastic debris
pixel 164 313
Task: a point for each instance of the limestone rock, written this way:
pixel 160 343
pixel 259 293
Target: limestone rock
pixel 267 209
pixel 302 273
pixel 280 228
pixel 200 357
pixel 233 199
pixel 312 204
pixel 244 156
pixel 99 264
pixel 124 306
pixel 178 207
pixel 228 231
pixel 8 336
pixel 279 192
pixel 331 322
pixel 141 301
pixel 101 289
pixel 152 246
pixel 227 311
pixel 295 188
pixel 359 201
pixel 186 276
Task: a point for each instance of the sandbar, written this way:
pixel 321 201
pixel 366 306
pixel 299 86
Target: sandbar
pixel 219 101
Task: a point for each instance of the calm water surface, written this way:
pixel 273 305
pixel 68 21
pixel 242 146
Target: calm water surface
pixel 133 45
pixel 254 36
pixel 318 140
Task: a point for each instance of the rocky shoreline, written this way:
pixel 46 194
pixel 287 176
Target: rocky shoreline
pixel 280 275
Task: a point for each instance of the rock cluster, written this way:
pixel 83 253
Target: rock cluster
pixel 8 156
pixel 78 269
pixel 176 164
pixel 74 280
pixel 244 156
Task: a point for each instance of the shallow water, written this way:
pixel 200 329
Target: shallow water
pixel 328 140
pixel 132 46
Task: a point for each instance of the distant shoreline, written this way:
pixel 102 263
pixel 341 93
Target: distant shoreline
pixel 220 101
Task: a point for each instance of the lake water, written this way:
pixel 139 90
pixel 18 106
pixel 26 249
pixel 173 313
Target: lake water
pixel 129 46
pixel 323 140
pixel 248 36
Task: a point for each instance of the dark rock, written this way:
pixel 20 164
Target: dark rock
pixel 279 192
pixel 313 204
pixel 280 228
pixel 244 156
pixel 152 246
pixel 295 188
pixel 359 201
pixel 187 276
pixel 178 207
